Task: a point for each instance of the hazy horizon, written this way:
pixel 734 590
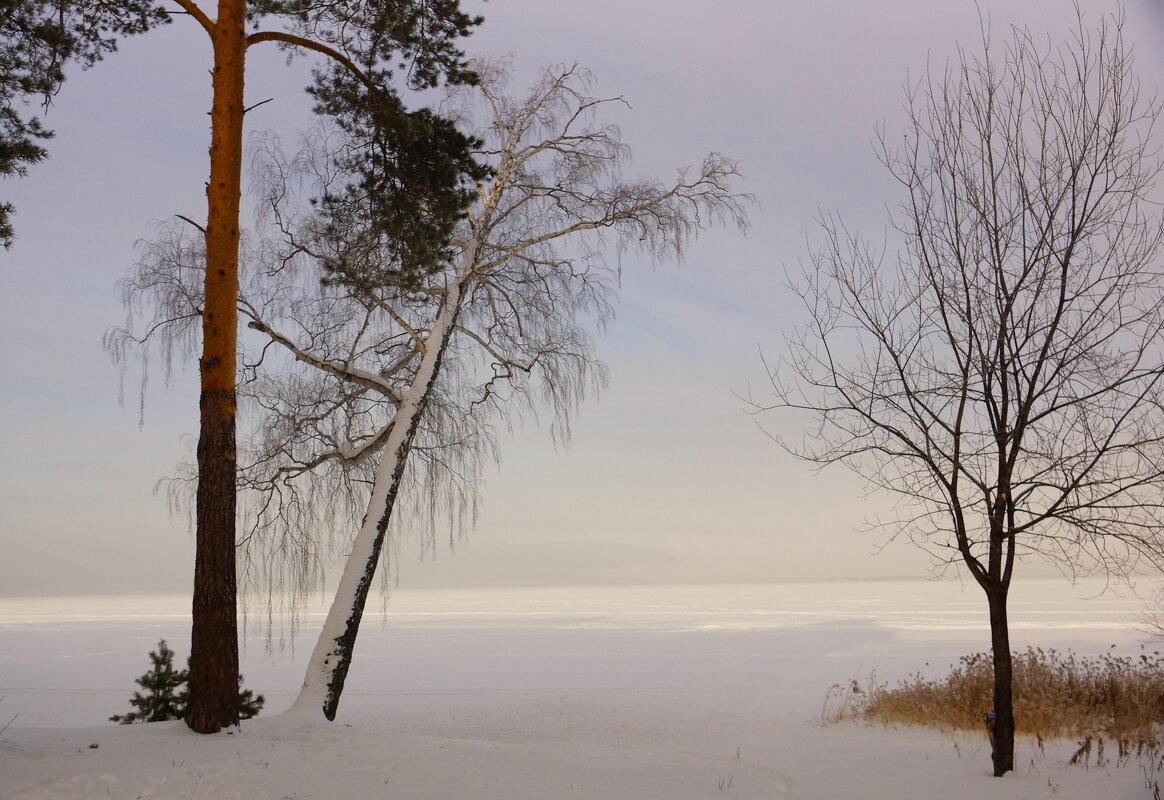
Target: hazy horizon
pixel 667 478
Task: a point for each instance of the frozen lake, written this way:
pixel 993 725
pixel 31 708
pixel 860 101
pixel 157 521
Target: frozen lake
pixel 71 661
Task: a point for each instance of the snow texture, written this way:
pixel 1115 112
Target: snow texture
pixel 615 692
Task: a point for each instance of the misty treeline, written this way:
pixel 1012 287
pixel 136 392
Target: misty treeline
pixel 371 398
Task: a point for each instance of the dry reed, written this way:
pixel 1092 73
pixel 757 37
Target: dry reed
pixel 1055 696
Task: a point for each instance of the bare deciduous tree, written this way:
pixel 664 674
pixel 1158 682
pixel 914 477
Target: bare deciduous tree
pixel 506 311
pixel 1003 375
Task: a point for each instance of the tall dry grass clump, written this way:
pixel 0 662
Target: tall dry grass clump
pixel 1117 697
pixel 1112 705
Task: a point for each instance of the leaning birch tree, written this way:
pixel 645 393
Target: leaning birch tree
pixel 416 152
pixel 509 302
pixel 389 389
pixel 411 165
pixel 1004 374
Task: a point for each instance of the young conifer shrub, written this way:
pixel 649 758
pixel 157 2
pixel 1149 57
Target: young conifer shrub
pixel 162 695
pixel 163 692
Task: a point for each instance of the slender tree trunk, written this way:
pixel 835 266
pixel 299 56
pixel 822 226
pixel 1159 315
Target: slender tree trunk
pixel 213 684
pixel 1002 736
pixel 328 668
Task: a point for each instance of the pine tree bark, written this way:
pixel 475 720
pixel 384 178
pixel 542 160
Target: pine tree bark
pixel 213 683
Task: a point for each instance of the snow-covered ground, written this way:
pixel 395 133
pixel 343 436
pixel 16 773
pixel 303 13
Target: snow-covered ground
pixel 609 692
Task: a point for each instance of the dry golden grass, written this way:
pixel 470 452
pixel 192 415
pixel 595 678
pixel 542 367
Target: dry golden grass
pixel 1055 696
pixel 1119 700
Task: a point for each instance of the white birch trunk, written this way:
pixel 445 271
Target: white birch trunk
pixel 320 689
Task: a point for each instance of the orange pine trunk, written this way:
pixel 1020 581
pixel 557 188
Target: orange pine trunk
pixel 213 683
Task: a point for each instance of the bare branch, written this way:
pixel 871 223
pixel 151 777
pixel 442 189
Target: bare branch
pixel 1003 374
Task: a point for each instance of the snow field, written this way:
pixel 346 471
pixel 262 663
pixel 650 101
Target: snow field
pixel 711 692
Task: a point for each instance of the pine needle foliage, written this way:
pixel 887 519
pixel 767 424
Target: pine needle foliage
pixel 38 40
pixel 163 692
pixel 162 696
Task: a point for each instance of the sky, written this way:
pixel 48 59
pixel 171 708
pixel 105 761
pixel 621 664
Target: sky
pixel 668 478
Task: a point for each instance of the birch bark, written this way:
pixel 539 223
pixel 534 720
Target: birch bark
pixel 328 667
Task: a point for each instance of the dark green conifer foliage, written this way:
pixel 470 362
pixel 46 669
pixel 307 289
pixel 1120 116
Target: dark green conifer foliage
pixel 163 695
pixel 414 174
pixel 38 38
pixel 249 703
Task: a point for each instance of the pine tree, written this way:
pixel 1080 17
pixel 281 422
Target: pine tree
pixel 249 703
pixel 162 699
pixel 165 693
pixel 38 40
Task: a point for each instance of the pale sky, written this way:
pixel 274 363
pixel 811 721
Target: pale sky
pixel 667 478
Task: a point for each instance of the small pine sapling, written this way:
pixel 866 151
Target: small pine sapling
pixel 164 696
pixel 249 703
